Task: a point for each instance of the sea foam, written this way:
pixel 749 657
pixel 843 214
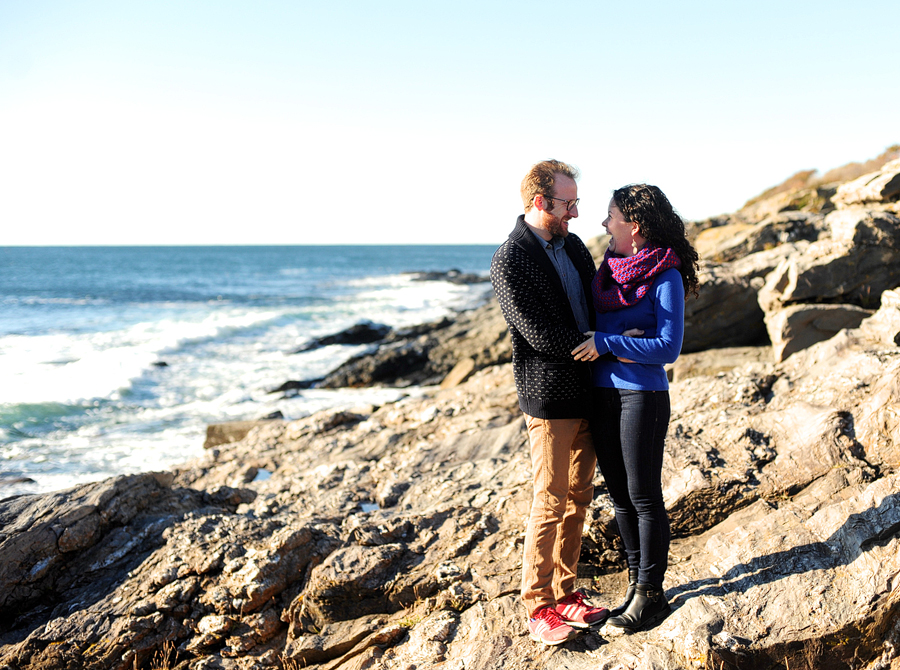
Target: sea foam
pixel 120 365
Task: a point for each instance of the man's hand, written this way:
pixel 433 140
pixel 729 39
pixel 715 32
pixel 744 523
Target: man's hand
pixel 631 332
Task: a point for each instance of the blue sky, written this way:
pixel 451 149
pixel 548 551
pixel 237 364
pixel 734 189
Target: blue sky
pixel 411 122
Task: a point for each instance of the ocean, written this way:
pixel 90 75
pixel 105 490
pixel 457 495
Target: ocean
pixel 113 360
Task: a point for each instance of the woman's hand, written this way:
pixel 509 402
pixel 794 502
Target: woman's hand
pixel 586 351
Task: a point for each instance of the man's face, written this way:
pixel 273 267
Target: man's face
pixel 555 216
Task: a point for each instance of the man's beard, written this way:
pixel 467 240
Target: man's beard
pixel 555 227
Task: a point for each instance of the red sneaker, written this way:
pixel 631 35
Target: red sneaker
pixel 577 611
pixel 548 627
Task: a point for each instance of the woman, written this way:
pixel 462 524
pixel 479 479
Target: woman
pixel 639 292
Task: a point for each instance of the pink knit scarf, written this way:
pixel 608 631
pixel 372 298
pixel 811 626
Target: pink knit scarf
pixel 622 282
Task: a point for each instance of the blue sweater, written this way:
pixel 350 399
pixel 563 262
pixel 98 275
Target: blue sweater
pixel 660 314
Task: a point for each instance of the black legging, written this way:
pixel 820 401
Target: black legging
pixel 629 431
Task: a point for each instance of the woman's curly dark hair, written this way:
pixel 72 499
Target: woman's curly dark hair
pixel 660 224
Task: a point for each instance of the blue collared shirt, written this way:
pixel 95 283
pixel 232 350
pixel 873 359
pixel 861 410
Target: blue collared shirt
pixel 571 281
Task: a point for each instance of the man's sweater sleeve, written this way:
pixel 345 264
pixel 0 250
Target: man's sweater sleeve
pixel 526 310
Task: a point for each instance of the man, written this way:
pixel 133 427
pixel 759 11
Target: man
pixel 542 276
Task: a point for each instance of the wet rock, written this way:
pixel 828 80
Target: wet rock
pixel 364 332
pixel 453 276
pixel 7 480
pixel 398 364
pixel 411 332
pixel 428 357
pixel 294 385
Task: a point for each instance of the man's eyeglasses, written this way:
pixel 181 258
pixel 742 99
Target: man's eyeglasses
pixel 569 203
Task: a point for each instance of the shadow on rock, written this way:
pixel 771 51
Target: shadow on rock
pixel 859 534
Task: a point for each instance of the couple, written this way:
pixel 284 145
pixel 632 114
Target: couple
pixel 603 399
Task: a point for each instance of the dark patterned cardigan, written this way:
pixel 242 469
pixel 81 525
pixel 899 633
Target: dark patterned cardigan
pixel 550 384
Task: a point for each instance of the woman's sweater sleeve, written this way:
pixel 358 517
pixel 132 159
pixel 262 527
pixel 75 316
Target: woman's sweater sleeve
pixel 665 346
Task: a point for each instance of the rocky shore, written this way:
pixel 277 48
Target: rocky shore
pixel 390 537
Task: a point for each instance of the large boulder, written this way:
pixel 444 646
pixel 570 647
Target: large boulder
pixel 737 240
pixel 858 262
pixel 797 327
pixel 43 535
pixel 725 313
pixel 882 186
pixel 807 582
pixel 807 197
pixel 64 557
pixel 830 284
pixel 884 325
pixel 759 264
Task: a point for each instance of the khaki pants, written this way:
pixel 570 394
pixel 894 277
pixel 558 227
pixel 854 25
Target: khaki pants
pixel 563 463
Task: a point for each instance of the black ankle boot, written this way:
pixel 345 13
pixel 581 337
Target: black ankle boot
pixel 648 606
pixel 629 594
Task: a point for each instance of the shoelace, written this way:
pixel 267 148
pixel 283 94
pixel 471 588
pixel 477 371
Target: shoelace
pixel 576 598
pixel 551 617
